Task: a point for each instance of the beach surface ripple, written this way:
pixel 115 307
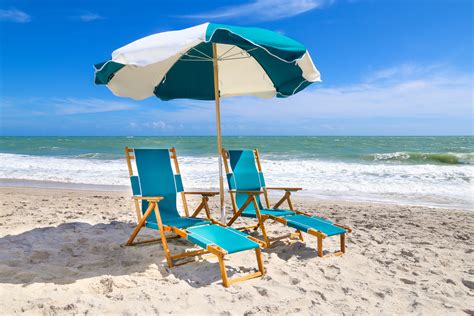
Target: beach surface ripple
pixel 61 253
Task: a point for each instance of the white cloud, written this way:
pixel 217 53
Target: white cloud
pixel 160 125
pixel 417 100
pixel 400 100
pixel 14 15
pixel 404 71
pixel 36 106
pixel 263 10
pixel 424 93
pixel 70 106
pixel 89 17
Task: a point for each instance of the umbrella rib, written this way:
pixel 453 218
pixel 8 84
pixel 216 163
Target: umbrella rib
pixel 193 56
pixel 222 56
pixel 204 54
pixel 193 60
pixel 245 57
pixel 239 53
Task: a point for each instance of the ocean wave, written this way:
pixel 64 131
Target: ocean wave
pixel 87 155
pixel 417 157
pixel 103 156
pixel 444 184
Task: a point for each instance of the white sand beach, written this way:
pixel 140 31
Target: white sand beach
pixel 61 253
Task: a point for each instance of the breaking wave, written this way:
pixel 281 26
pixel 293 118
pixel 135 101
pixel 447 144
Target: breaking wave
pixel 425 158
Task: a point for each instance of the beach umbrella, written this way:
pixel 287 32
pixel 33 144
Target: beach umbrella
pixel 209 62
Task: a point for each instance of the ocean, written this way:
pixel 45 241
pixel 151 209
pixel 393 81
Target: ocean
pixel 432 171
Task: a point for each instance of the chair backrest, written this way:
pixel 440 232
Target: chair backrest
pixel 156 178
pixel 244 175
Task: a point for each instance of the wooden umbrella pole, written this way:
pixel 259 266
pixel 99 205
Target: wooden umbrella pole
pixel 218 123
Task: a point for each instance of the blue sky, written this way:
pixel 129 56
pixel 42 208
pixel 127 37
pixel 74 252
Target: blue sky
pixel 388 68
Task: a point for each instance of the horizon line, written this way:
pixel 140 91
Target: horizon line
pixel 394 135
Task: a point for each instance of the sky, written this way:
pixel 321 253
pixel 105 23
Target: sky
pixel 387 67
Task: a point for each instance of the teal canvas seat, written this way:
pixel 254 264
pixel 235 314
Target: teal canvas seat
pixel 155 190
pixel 266 211
pixel 183 222
pixel 247 185
pixel 226 238
pixel 305 223
pixel 156 178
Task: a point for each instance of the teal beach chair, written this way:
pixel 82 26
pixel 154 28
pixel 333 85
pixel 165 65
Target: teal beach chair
pixel 155 191
pixel 246 185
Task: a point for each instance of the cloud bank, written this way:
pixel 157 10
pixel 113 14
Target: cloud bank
pixel 407 99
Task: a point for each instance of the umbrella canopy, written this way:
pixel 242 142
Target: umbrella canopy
pixel 178 64
pixel 208 62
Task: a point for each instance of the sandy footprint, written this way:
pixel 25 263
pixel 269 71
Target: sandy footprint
pixel 331 272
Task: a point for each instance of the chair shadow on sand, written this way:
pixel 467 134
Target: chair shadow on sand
pixel 73 251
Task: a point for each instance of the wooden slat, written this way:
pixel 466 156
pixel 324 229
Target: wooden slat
pixel 246 192
pixel 205 193
pixel 189 254
pixel 284 189
pixel 316 233
pixel 244 278
pixel 148 198
pixel 344 227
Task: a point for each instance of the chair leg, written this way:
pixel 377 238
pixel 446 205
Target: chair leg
pixel 261 219
pixel 258 253
pixel 169 260
pixel 140 224
pixel 320 247
pixel 343 243
pixel 239 212
pixel 225 280
pixel 134 235
pixel 198 209
pixel 300 235
pixel 259 273
pixel 256 226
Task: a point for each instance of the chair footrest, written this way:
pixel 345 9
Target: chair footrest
pixel 304 223
pixel 227 238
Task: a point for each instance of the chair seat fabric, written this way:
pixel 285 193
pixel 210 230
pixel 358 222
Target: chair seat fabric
pixel 304 223
pixel 179 222
pixel 267 211
pixel 227 238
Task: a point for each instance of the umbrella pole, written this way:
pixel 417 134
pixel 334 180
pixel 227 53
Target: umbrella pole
pixel 218 123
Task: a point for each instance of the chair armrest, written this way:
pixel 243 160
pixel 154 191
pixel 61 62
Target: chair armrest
pixel 148 198
pixel 246 192
pixel 203 193
pixel 284 189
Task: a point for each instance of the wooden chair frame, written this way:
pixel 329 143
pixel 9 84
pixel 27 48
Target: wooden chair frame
pixel 181 233
pixel 252 198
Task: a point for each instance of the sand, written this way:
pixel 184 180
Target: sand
pixel 61 253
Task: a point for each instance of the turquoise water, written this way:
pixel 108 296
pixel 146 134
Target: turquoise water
pixel 414 150
pixel 436 171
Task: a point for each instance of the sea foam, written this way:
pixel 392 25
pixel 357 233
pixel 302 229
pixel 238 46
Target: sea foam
pixel 424 184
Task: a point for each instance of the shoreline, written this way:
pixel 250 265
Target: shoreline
pixel 302 195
